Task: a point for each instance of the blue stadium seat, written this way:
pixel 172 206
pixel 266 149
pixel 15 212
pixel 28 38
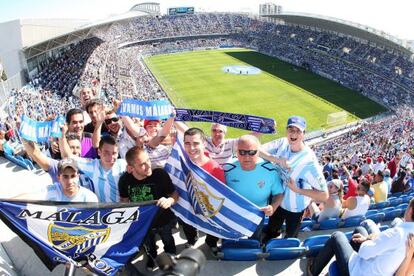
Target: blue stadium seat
pixel 387 209
pixel 331 223
pixel 284 249
pixel 381 205
pixel 240 254
pixel 402 206
pixel 333 269
pixel 394 202
pixel 352 221
pixel 243 243
pixel 406 198
pixel 377 218
pixel 371 212
pixel 372 206
pixel 305 224
pixel 396 194
pixel 315 244
pixel 391 213
pixel 241 250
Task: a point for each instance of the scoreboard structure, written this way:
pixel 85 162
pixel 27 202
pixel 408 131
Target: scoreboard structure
pixel 180 10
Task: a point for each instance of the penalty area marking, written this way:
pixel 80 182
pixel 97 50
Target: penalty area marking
pixel 241 70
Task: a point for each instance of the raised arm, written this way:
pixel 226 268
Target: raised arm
pixel 279 161
pixel 96 136
pixel 34 152
pixel 63 144
pixel 154 142
pixel 319 196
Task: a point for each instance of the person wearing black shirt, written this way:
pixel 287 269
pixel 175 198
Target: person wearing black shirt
pixel 93 107
pixel 141 183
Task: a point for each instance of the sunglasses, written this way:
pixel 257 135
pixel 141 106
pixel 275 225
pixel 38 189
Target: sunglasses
pixel 111 120
pixel 247 152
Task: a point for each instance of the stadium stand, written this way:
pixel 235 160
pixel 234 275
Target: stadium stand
pixel 113 62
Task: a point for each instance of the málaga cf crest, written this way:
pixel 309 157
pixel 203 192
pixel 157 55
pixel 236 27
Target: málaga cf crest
pixel 203 200
pixel 76 240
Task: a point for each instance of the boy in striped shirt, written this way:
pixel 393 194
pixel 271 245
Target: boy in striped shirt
pixel 302 177
pixel 104 172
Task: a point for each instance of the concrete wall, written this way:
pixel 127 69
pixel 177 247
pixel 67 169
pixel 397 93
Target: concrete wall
pixel 10 46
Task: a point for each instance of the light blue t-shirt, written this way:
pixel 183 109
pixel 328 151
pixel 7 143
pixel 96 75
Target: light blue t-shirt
pixel 256 185
pixel 54 192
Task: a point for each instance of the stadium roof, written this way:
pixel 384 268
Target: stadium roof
pixel 77 34
pixel 360 31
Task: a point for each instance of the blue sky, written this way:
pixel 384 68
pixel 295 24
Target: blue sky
pixel 394 17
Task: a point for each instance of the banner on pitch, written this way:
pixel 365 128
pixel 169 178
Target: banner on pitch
pixel 206 203
pixel 105 235
pixel 247 122
pixel 40 132
pixel 151 110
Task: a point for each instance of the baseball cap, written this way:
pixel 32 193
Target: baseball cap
pixel 336 182
pixel 387 172
pixel 298 122
pixel 146 122
pixel 67 163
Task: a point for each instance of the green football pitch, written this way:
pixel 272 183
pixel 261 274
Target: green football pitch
pixel 197 80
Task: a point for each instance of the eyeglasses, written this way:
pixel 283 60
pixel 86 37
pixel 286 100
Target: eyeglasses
pixel 111 120
pixel 247 152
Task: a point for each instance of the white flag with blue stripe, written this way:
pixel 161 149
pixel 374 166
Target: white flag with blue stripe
pixel 206 203
pixel 105 235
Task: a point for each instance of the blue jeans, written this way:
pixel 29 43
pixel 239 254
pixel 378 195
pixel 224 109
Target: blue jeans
pixel 339 246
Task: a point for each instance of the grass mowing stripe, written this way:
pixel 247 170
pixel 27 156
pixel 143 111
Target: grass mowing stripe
pixel 196 80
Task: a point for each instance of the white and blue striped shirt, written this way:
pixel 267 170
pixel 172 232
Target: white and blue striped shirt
pixel 105 182
pixel 305 170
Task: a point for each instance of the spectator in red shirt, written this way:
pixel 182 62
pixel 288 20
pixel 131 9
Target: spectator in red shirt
pixel 194 146
pixel 352 184
pixel 394 164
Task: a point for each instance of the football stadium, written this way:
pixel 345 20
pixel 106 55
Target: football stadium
pixel 205 143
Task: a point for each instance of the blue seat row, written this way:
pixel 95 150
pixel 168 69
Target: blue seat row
pixel 392 201
pixel 275 249
pixel 385 214
pixel 250 250
pixel 316 243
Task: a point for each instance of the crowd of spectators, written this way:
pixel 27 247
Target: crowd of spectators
pixel 378 152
